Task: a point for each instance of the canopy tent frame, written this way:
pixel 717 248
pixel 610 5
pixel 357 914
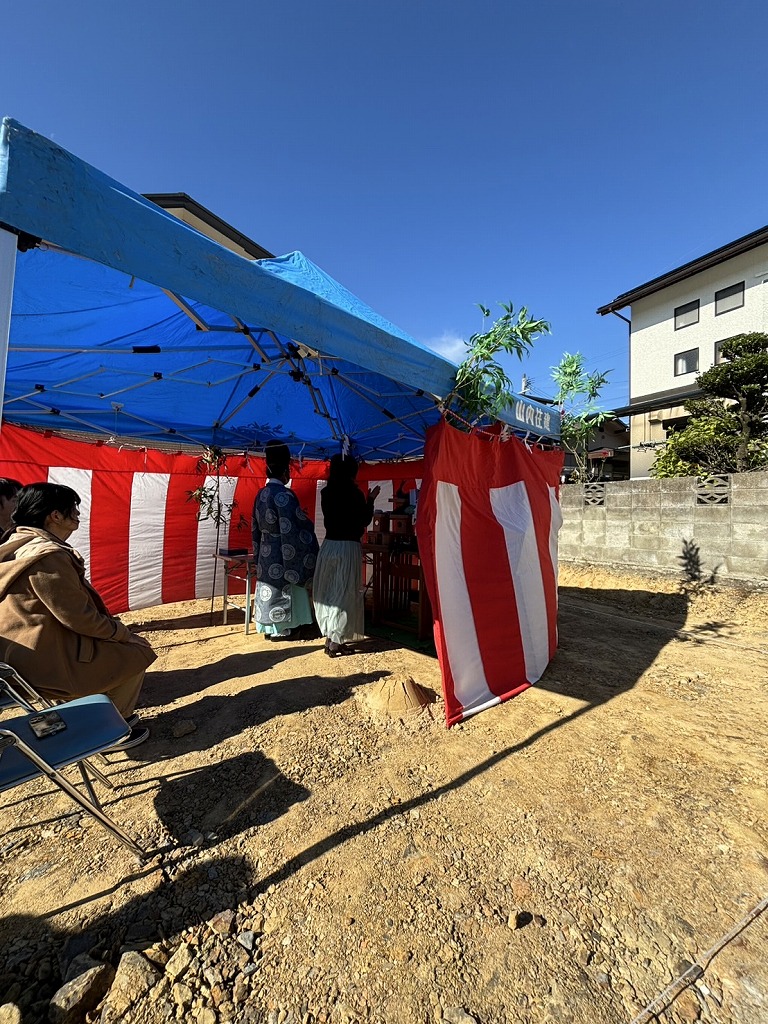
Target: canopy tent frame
pixel 310 330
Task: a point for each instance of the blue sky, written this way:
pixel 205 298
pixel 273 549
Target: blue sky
pixel 429 155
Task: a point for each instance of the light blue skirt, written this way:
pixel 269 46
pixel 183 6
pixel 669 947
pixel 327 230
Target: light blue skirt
pixel 337 591
pixel 301 614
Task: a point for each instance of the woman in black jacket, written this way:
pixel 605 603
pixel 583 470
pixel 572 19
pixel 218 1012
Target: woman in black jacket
pixel 337 588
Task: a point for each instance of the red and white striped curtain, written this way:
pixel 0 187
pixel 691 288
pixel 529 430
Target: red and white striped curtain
pixel 488 520
pixel 140 535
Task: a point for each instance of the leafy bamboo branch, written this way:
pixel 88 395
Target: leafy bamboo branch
pixel 578 394
pixel 483 388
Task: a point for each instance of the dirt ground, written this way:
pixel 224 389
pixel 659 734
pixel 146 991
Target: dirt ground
pixel 329 855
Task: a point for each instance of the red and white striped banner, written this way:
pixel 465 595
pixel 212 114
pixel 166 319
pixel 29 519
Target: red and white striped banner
pixel 139 533
pixel 488 521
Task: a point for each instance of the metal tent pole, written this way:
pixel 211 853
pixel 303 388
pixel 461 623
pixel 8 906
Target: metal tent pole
pixel 7 274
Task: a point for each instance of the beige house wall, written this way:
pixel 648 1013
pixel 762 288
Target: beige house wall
pixel 647 435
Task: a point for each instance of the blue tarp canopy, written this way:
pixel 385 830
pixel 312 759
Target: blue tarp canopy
pixel 128 323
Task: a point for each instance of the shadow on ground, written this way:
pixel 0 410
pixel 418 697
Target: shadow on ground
pixel 162 688
pixel 619 648
pixel 217 717
pixel 221 800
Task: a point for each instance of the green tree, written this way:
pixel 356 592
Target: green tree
pixel 727 431
pixel 483 389
pixel 578 396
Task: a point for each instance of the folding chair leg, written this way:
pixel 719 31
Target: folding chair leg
pixel 92 808
pixel 86 767
pixel 89 785
pixel 96 811
pixel 98 775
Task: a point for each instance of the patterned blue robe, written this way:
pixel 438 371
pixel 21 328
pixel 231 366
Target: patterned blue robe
pixel 285 550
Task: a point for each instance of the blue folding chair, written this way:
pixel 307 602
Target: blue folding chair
pixel 93 724
pixel 15 691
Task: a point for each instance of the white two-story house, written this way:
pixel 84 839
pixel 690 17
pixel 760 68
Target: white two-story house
pixel 677 323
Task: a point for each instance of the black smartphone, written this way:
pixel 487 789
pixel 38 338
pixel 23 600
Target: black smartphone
pixel 46 723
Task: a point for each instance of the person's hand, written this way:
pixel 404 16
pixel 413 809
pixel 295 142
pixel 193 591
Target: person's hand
pixel 375 493
pixel 134 638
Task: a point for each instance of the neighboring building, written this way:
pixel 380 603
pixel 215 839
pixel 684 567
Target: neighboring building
pixel 191 212
pixel 608 452
pixel 678 322
pixel 608 448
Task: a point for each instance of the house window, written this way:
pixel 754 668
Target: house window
pixel 687 362
pixel 719 357
pixel 729 298
pixel 687 314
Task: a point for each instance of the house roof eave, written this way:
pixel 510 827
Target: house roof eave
pixel 710 259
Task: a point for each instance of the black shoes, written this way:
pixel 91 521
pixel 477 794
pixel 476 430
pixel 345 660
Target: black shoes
pixel 137 735
pixel 334 650
pixel 276 638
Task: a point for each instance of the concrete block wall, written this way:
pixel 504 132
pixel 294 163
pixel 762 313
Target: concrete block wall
pixel 653 523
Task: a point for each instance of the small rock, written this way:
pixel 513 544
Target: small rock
pixel 241 957
pixel 179 962
pixel 456 1015
pixel 81 995
pixel 205 1016
pixel 687 1006
pixel 602 979
pixel 183 728
pixel 157 955
pixel 10 1014
pixel 182 995
pixel 247 940
pixel 45 970
pixel 240 989
pixel 213 976
pixel 223 922
pixel 82 963
pixel 135 976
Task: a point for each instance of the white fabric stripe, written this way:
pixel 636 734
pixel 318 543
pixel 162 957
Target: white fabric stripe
pixel 79 480
pixel 512 509
pixel 145 539
pixel 319 524
pixel 468 712
pixel 207 544
pixel 554 528
pixel 457 622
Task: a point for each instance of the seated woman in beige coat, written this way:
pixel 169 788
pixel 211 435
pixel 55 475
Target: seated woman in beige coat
pixel 55 629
